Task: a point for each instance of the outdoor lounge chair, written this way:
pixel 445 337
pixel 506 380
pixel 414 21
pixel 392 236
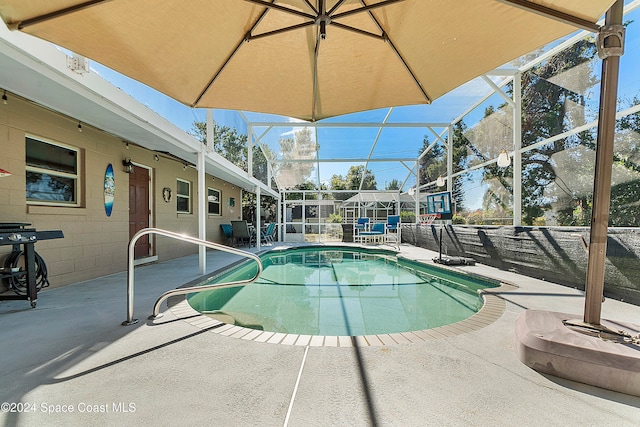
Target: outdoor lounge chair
pixel 393 230
pixel 267 236
pixel 228 233
pixel 375 235
pixel 361 225
pixel 241 232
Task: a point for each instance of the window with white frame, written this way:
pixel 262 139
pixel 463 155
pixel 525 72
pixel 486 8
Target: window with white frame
pixel 213 201
pixel 52 173
pixel 183 196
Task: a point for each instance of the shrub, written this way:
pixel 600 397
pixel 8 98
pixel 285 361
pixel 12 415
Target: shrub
pixel 407 216
pixel 457 219
pixel 335 218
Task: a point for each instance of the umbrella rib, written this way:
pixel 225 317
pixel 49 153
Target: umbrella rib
pixel 359 31
pixel 399 55
pixel 335 7
pixel 58 13
pixel 364 8
pixel 278 31
pixel 553 14
pixel 281 8
pixel 312 7
pixel 235 50
pixel 315 78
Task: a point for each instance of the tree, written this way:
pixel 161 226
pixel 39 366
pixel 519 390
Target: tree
pixel 546 111
pixel 394 184
pixel 307 185
pixel 433 164
pixel 291 171
pixel 460 163
pixel 485 141
pixel 233 146
pixel 556 174
pixel 358 174
pixel 227 142
pixel 352 181
pixel 625 190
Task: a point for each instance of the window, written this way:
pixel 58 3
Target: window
pixel 183 196
pixel 52 173
pixel 213 201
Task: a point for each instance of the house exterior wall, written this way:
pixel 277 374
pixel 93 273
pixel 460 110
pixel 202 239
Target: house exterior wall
pixel 94 244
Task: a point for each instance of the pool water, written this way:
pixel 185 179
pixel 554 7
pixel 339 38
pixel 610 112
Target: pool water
pixel 341 291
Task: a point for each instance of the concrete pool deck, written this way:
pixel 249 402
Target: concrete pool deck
pixel 71 354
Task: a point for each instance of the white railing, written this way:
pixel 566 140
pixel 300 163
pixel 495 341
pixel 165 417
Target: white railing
pixel 181 291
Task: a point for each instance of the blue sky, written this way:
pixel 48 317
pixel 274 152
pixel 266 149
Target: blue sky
pixel 356 143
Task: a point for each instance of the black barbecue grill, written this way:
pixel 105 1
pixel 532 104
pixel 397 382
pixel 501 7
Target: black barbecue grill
pixel 24 270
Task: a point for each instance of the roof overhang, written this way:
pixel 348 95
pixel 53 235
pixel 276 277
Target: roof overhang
pixel 36 70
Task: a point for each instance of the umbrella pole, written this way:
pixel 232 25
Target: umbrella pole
pixel 602 179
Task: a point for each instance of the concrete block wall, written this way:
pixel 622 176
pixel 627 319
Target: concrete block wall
pixel 555 254
pixel 94 244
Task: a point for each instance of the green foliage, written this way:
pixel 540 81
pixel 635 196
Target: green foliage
pixel 458 219
pixel 335 218
pixel 268 207
pixel 355 176
pixel 408 217
pixel 546 111
pixel 475 218
pixel 393 185
pixel 540 222
pixel 233 146
pixel 290 172
pixel 434 163
pixel 307 185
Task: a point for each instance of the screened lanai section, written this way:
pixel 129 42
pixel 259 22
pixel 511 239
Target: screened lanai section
pixel 338 170
pixel 540 110
pixel 515 146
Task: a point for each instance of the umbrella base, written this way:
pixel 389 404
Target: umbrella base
pixel 558 344
pixel 454 260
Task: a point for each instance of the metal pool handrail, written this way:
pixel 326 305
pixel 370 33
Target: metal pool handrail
pixel 181 291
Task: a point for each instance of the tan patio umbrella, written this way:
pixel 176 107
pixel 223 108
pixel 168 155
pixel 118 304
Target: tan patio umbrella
pixel 313 59
pixel 309 59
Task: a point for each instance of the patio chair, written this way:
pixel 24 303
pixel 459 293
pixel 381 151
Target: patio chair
pixel 228 233
pixel 241 232
pixel 375 235
pixel 393 229
pixel 361 225
pixel 268 234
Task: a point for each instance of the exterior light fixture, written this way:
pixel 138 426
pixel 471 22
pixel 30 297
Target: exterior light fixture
pixel 4 97
pixel 440 181
pixel 128 166
pixel 156 158
pixel 79 127
pixel 503 159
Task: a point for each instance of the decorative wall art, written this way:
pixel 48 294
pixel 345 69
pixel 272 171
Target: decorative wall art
pixel 109 189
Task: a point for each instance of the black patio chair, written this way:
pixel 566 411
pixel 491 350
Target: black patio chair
pixel 241 232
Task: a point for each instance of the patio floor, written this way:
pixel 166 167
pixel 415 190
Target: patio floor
pixel 69 362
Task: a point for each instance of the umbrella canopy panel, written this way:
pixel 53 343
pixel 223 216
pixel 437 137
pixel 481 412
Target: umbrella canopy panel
pixel 299 58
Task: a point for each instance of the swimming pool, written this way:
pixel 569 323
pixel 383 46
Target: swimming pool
pixel 342 291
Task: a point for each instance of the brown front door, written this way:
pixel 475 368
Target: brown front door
pixel 139 209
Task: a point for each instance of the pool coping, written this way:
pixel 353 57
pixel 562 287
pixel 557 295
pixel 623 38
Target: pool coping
pixel 491 310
